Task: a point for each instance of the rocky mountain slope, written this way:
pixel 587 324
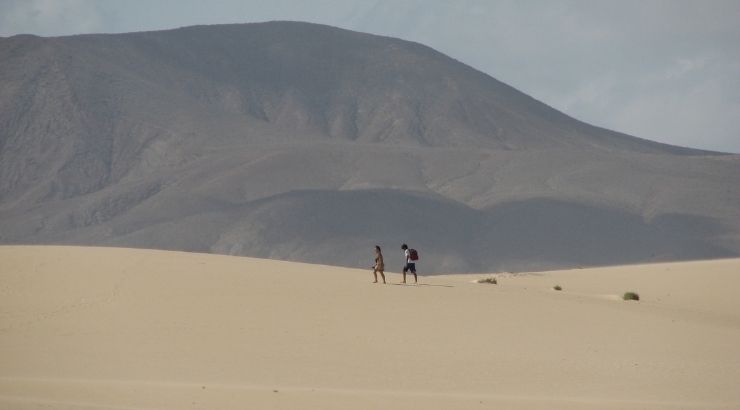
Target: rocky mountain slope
pixel 307 142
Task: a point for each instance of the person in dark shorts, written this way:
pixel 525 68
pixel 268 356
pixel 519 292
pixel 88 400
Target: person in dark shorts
pixel 410 265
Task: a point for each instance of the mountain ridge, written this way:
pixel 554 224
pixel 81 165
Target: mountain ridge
pixel 106 135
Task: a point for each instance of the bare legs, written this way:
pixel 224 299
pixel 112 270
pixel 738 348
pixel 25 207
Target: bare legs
pixel 375 274
pixel 404 276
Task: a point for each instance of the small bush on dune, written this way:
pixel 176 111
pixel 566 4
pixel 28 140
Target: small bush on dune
pixel 557 287
pixel 631 296
pixel 490 280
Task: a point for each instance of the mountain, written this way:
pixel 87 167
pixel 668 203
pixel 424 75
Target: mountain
pixel 306 142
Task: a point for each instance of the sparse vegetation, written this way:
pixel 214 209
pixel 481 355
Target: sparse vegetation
pixel 490 280
pixel 631 296
pixel 557 287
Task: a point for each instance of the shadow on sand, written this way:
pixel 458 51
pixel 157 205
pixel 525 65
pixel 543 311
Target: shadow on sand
pixel 421 284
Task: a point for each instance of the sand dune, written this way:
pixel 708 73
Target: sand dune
pixel 104 328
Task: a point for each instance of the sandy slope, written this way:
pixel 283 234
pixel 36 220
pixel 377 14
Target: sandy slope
pixel 94 328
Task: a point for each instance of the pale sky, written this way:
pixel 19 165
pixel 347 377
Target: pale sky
pixel 665 70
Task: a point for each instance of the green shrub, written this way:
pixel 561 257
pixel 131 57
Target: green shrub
pixel 557 287
pixel 490 280
pixel 631 296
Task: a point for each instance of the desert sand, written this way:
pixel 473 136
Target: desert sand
pixel 107 328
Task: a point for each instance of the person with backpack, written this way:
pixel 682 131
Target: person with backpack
pixel 410 256
pixel 379 265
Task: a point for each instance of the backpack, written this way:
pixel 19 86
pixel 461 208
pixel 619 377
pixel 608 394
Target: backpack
pixel 413 255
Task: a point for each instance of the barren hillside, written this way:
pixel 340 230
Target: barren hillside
pixel 307 142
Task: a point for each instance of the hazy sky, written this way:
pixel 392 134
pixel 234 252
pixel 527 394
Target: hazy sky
pixel 666 70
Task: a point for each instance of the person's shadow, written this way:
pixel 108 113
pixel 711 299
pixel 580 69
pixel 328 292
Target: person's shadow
pixel 422 284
